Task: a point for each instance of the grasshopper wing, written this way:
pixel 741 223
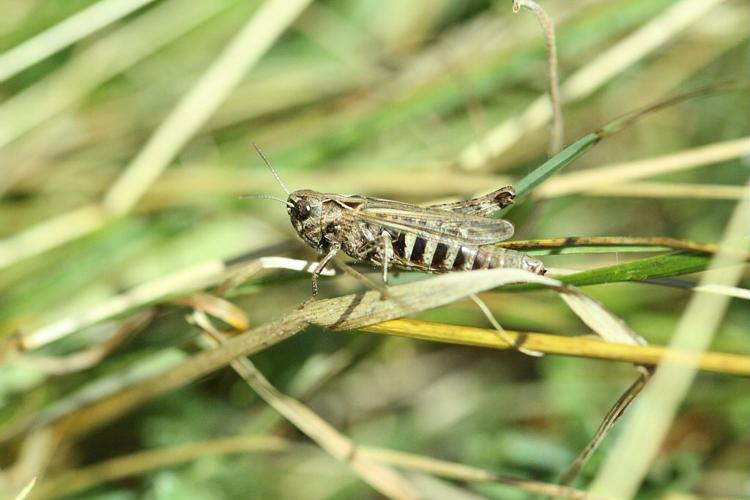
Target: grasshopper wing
pixel 434 223
pixel 482 205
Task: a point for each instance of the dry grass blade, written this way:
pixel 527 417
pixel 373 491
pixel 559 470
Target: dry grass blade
pixel 185 280
pixel 462 472
pixel 586 347
pixel 409 299
pixel 50 234
pixel 109 213
pixel 147 461
pixel 203 275
pixel 604 323
pixel 587 79
pixel 636 46
pixel 121 49
pixel 90 392
pixel 239 274
pixel 628 463
pixel 729 291
pixel 197 106
pixel 35 454
pixel 610 241
pixel 65 33
pixel 557 128
pixel 75 480
pixel 383 479
pixel 613 415
pixel 347 312
pixel 91 356
pixel 110 406
pixel 218 308
pixel 189 115
pixel 669 190
pixel 595 179
pixel 26 490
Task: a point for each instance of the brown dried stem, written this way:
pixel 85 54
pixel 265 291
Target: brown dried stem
pixel 548 27
pixel 586 347
pixel 604 241
pixel 383 479
pixel 149 460
pixel 614 414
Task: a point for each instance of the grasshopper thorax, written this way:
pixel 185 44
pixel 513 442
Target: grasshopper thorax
pixel 305 208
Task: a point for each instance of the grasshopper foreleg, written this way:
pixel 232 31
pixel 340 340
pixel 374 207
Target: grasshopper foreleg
pixel 322 265
pixel 387 251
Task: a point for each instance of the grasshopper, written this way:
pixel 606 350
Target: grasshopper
pixel 389 234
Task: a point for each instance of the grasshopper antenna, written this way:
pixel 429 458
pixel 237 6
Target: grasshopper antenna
pixel 273 170
pixel 264 197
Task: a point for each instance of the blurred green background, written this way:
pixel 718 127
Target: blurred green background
pixel 379 98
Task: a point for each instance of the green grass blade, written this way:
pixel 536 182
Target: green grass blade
pixel 582 145
pixel 661 266
pixel 555 164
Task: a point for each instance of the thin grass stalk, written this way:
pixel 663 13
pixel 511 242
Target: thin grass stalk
pixel 587 79
pixel 585 347
pixel 626 466
pixel 613 415
pixel 196 107
pixel 557 134
pixel 142 462
pixel 65 33
pixel 383 479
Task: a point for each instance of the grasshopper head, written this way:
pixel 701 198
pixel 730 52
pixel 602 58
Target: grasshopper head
pixel 305 210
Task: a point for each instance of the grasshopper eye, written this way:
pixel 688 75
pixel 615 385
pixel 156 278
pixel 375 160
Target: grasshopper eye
pixel 301 210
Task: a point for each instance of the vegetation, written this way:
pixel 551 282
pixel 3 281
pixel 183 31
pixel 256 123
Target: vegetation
pixel 136 284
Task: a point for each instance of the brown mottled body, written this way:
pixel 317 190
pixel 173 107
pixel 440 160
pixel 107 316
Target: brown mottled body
pixel 439 255
pixel 435 239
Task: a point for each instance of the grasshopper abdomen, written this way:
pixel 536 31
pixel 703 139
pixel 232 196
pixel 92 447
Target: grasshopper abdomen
pixel 436 255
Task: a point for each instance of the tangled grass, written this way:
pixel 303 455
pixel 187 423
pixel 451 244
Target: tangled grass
pixel 135 285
